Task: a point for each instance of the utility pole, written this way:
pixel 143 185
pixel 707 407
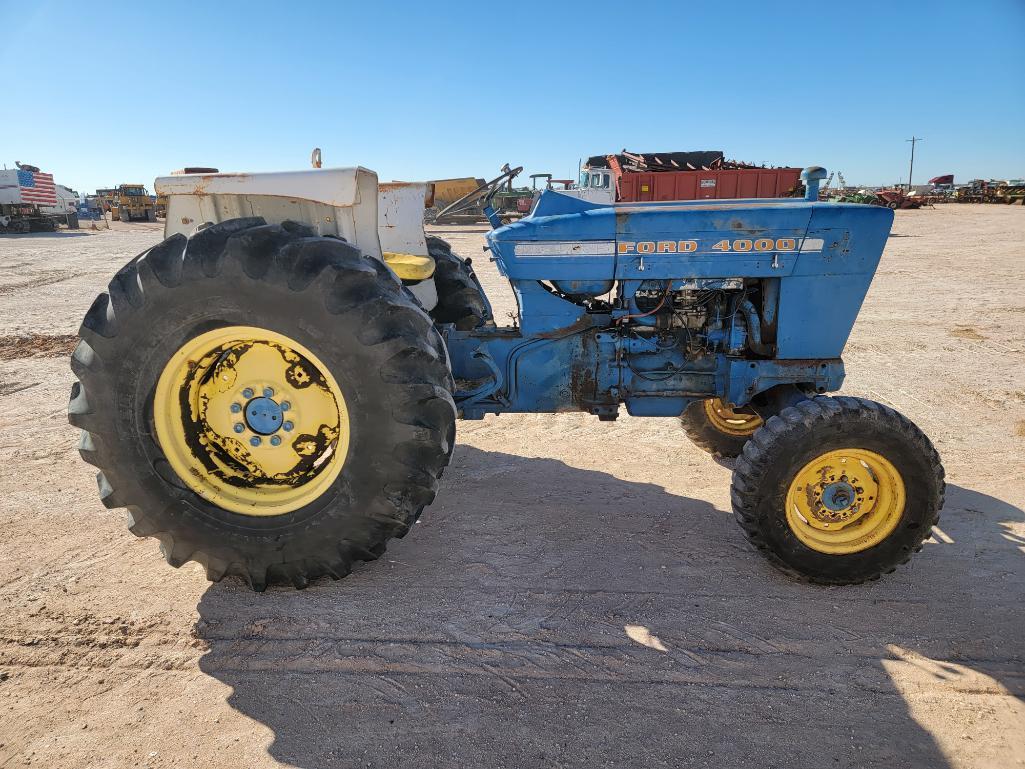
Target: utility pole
pixel 913 140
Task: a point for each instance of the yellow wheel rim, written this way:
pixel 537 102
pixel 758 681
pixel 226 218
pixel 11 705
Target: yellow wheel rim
pixel 845 501
pixel 728 421
pixel 251 420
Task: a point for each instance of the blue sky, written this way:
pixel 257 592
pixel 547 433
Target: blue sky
pixel 417 90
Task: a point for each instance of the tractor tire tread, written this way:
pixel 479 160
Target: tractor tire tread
pixel 415 387
pixel 461 298
pixel 706 436
pixel 763 452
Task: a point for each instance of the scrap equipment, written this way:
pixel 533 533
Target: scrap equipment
pixel 273 390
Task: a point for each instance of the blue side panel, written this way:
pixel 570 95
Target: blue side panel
pixel 542 312
pixel 704 228
pixel 828 309
pixel 820 300
pixel 564 247
pixel 592 224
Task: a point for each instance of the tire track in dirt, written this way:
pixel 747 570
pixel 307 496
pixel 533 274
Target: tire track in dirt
pixel 513 662
pixel 15 346
pixel 45 278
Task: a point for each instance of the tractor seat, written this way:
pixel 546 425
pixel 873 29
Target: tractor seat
pixel 410 268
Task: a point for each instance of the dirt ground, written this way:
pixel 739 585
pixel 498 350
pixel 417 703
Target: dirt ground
pixel 579 595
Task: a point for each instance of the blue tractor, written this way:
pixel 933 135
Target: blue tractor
pixel 272 391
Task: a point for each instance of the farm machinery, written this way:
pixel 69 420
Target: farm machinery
pixel 273 390
pixel 1010 191
pixel 896 199
pixel 507 202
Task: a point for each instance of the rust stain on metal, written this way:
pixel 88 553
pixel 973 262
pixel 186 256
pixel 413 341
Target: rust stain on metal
pixel 583 323
pixel 583 386
pixel 226 457
pixel 738 225
pixel 202 182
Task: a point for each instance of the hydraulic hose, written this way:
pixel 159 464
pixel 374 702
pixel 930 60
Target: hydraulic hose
pixel 754 329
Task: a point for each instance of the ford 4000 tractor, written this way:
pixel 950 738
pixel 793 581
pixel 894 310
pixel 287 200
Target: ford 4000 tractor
pixel 273 390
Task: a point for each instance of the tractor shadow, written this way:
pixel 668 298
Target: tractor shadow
pixel 543 615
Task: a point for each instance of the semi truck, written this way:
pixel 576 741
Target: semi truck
pixel 28 198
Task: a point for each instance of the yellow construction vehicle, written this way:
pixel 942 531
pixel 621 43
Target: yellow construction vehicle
pixel 105 199
pixel 133 202
pixel 448 191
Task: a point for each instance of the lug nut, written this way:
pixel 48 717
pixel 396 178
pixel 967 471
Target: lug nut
pixel 285 405
pixel 288 426
pixel 268 392
pixel 239 427
pixel 235 408
pixel 275 440
pixel 254 441
pixel 247 393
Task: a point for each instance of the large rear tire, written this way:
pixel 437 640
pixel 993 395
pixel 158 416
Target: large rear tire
pixel 838 490
pixel 197 335
pixel 461 299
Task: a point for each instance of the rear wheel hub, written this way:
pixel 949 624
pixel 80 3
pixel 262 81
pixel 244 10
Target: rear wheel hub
pixel 251 420
pixel 264 415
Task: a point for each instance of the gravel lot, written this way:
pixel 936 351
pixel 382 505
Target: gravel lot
pixel 579 595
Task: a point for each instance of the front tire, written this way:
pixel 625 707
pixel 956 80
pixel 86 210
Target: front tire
pixel 838 490
pixel 717 428
pixel 162 390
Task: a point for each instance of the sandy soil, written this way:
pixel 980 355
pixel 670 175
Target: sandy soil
pixel 578 596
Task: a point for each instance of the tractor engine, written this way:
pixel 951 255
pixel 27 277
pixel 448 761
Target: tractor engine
pixel 696 318
pixel 668 341
pixel 698 321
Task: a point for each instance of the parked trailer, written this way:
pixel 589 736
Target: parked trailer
pixel 24 191
pixel 66 209
pixel 712 185
pixel 705 175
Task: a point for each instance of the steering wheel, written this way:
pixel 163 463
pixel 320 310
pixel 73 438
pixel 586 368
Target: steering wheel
pixel 483 194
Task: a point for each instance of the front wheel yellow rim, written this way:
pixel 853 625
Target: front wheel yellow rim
pixel 727 420
pixel 845 501
pixel 251 420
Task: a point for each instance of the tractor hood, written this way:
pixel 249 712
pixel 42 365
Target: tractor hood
pixel 825 253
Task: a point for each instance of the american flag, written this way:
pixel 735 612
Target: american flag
pixel 37 188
